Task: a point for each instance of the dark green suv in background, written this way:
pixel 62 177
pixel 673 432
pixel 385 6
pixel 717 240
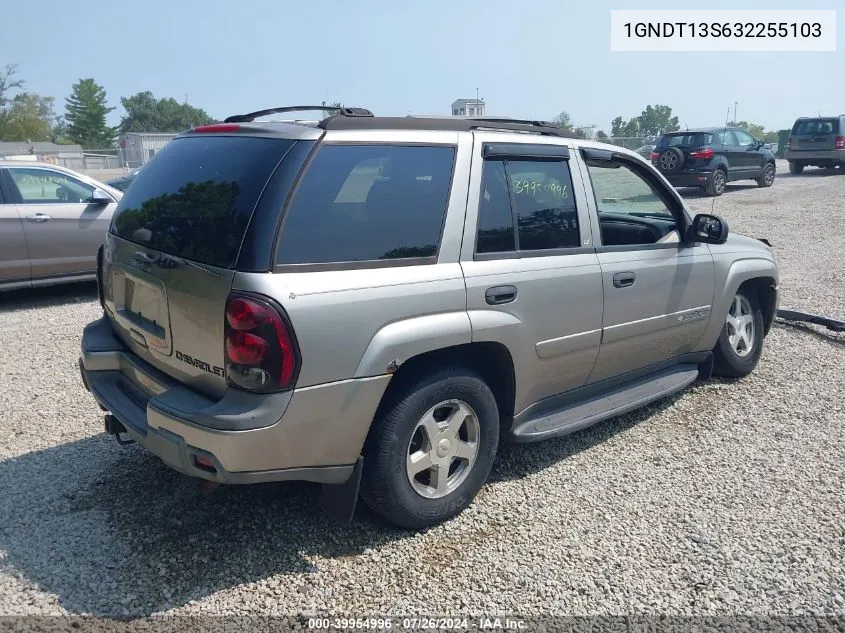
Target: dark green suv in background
pixel 816 141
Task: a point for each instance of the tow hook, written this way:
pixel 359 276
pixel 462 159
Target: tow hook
pixel 804 317
pixel 116 428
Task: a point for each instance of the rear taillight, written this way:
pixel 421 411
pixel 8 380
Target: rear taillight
pixel 789 143
pixel 655 156
pixel 261 352
pixel 704 153
pixel 840 142
pixel 100 292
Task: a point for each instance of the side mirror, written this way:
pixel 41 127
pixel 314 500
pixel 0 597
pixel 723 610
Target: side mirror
pixel 710 229
pixel 100 197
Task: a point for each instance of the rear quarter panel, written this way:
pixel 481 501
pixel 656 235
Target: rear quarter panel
pixel 354 323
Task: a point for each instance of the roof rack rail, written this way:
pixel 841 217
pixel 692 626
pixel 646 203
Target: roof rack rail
pixel 341 111
pixel 509 120
pixel 443 123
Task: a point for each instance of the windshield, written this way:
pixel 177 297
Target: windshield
pixel 195 198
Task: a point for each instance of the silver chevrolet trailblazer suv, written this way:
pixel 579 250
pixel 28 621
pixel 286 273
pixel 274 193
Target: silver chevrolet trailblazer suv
pixel 375 303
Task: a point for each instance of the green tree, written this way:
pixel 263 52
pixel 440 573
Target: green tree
pixel 601 135
pixel 86 110
pixel 757 131
pixel 619 127
pixel 653 121
pixel 7 84
pixel 563 120
pixel 656 120
pixel 145 113
pixel 28 117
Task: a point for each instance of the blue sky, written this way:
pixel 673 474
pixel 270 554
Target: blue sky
pixel 529 59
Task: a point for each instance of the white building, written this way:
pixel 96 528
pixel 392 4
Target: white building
pixel 468 107
pixel 137 148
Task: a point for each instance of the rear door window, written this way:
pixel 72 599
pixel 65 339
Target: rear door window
pixel 195 199
pixel 534 196
pixel 368 203
pixel 544 205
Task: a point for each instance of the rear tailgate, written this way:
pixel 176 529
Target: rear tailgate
pixel 689 143
pixel 170 255
pixel 815 135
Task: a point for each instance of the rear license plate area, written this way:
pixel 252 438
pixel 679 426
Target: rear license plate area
pixel 141 307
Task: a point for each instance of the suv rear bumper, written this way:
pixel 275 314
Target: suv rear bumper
pixel 690 179
pixel 835 155
pixel 312 434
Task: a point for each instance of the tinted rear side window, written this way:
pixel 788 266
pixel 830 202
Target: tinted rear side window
pixel 495 216
pixel 816 126
pixel 368 203
pixel 195 199
pixel 686 140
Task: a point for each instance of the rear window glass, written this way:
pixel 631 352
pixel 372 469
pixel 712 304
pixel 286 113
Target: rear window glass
pixel 686 140
pixel 196 197
pixel 816 126
pixel 366 203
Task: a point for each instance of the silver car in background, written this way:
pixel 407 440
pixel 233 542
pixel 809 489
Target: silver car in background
pixel 52 221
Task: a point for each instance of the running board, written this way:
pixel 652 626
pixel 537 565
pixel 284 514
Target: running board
pixel 622 399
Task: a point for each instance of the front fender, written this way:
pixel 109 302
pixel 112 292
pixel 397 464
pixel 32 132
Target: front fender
pixel 729 277
pixel 396 342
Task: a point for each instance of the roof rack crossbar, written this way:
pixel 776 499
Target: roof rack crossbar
pixel 337 110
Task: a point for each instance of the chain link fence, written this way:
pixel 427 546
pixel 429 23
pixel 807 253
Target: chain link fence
pixel 641 144
pixel 101 164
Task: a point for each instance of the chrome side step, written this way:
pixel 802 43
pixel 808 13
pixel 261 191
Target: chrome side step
pixel 621 399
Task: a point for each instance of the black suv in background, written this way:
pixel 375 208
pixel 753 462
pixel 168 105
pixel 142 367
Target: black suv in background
pixel 817 141
pixel 712 157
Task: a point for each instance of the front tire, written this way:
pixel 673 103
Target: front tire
pixel 768 177
pixel 795 167
pixel 718 183
pixel 431 449
pixel 740 344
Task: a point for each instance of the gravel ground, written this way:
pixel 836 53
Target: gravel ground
pixel 727 499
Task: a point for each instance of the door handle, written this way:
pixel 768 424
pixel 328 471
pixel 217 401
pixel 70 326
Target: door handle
pixel 144 258
pixel 498 295
pixel 38 217
pixel 623 280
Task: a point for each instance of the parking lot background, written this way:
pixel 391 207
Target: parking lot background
pixel 725 499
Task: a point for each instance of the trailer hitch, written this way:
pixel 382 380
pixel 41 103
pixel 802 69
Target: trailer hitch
pixel 804 317
pixel 114 427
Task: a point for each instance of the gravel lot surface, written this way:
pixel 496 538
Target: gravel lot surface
pixel 727 499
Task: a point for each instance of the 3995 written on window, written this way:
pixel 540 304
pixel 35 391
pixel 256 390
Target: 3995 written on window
pixel 526 206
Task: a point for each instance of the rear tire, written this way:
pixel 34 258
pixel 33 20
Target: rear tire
pixel 795 167
pixel 740 344
pixel 717 184
pixel 768 177
pixel 446 424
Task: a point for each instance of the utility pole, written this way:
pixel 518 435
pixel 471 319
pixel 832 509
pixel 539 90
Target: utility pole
pixel 734 112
